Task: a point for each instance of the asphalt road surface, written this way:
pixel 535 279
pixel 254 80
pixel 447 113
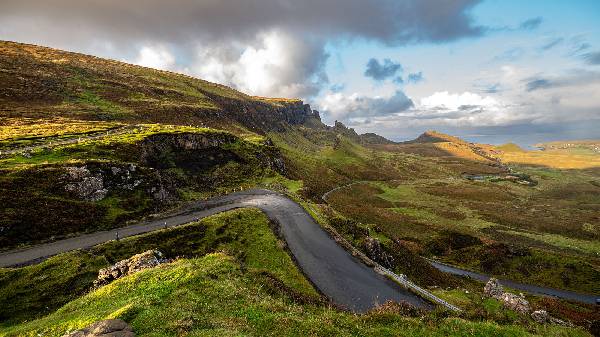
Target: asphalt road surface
pixel 529 288
pixel 335 272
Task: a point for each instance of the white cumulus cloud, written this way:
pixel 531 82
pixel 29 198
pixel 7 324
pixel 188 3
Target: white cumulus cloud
pixel 447 101
pixel 158 57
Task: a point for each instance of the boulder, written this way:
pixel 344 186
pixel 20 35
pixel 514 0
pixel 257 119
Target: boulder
pixel 106 328
pixel 84 184
pixel 145 260
pixel 518 303
pixel 540 316
pixel 514 302
pixel 375 252
pixel 493 288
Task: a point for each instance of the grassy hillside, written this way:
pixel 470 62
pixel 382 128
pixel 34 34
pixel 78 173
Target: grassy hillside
pixel 143 170
pixel 212 296
pixel 39 82
pixel 542 233
pixel 89 144
pixel 144 140
pixel 246 235
pixel 249 287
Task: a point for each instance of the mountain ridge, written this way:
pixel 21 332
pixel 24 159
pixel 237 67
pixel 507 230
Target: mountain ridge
pixel 45 82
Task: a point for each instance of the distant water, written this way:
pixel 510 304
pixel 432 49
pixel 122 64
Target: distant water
pixel 524 135
pixel 527 136
pixel 525 141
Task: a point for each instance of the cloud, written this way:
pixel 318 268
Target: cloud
pixel 445 101
pixel 157 57
pixel 531 24
pixel 275 64
pixel 337 88
pixel 382 71
pixel 552 43
pixel 511 54
pixel 559 99
pixel 345 107
pixel 446 109
pixel 217 38
pixel 592 58
pixel 538 83
pixel 574 78
pixel 579 47
pixel 487 88
pixel 415 77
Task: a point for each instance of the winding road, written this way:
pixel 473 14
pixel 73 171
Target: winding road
pixel 528 288
pixel 334 271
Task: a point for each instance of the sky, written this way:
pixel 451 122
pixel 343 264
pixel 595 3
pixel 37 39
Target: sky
pixel 490 71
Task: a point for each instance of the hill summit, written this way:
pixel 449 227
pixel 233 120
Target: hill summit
pixel 432 136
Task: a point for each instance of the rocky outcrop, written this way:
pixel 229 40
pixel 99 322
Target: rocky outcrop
pixel 518 303
pixel 105 328
pixel 265 115
pixel 198 153
pixel 514 302
pixel 511 301
pixel 193 152
pixel 145 260
pixel 542 317
pixel 375 252
pixel 493 288
pixel 85 184
pixel 94 182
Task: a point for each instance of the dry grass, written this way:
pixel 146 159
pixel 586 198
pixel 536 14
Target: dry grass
pixel 552 158
pixel 15 128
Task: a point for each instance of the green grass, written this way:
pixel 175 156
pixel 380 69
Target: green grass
pixel 228 162
pixel 278 181
pixel 423 210
pixel 108 109
pixel 246 234
pixel 39 289
pixel 588 247
pixel 212 295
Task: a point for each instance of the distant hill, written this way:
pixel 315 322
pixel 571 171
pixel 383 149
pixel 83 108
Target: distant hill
pixel 454 146
pixel 510 147
pixel 432 136
pixel 41 82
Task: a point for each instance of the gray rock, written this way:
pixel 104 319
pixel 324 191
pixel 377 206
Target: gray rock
pixel 84 184
pixel 540 316
pixel 518 303
pixel 106 328
pixel 493 288
pixel 145 260
pixel 375 251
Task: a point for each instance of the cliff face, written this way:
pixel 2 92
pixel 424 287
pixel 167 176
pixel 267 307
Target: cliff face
pixel 365 139
pixel 264 115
